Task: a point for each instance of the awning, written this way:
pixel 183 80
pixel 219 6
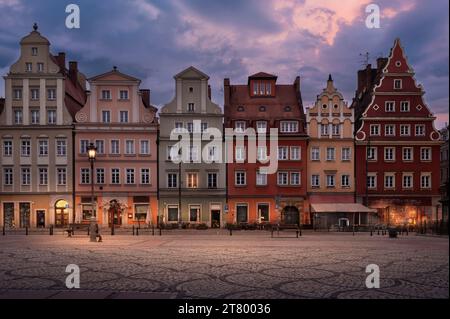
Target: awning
pixel 341 208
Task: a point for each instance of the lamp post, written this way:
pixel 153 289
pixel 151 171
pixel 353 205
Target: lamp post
pixel 92 153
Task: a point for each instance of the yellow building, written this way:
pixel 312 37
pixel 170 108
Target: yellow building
pixel 331 182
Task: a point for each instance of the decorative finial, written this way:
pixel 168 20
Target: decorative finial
pixel 35 26
pixel 115 68
pixel 330 78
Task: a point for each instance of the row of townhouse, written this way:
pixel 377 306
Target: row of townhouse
pixel 372 161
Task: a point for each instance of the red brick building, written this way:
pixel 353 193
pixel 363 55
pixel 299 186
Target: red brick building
pixel 263 104
pixel 397 146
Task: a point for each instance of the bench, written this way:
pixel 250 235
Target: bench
pixel 72 227
pixel 279 227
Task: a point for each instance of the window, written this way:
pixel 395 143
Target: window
pixel 289 127
pixel 389 181
pixel 261 153
pixel 262 109
pixel 129 147
pixel 34 51
pixel 172 213
pixel 389 130
pixel 190 127
pixel 345 180
pixel 295 178
pixel 43 148
pixel 115 147
pixel 374 129
pixel 295 153
pixel 405 130
pixel 371 181
pixel 61 174
pixel 283 178
pixel 17 94
pixel 100 175
pixel 18 118
pixel 145 176
pixel 425 154
pixel 115 176
pixel 407 181
pixel 240 126
pixel 324 129
pixel 390 106
pixel 179 127
pixel 331 153
pixel 240 179
pixel 191 107
pixel 240 153
pixel 425 181
pixel 315 154
pixel 51 94
pixel 25 150
pixel 194 213
pixel 51 117
pixel 397 84
pixel 193 154
pixel 204 127
pixel 100 145
pixel 123 95
pixel 191 90
pixel 261 127
pixel 331 180
pixel 404 106
pixel 336 129
pixel 420 130
pixel 130 175
pixel 263 212
pixel 261 179
pixel 40 67
pixel 212 154
pixel 315 181
pixel 35 117
pixel 85 176
pixel 106 95
pixel 145 148
pixel 407 154
pixel 84 144
pixel 372 154
pixel 283 153
pixel 123 116
pixel 346 153
pixel 43 176
pixel 28 67
pixel 106 116
pixel 172 180
pixel 212 180
pixel 7 148
pixel 25 176
pixel 241 213
pixel 141 211
pixel 389 154
pixel 8 176
pixel 35 94
pixel 173 152
pixel 192 180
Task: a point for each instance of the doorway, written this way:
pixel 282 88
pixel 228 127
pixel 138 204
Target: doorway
pixel 215 218
pixel 61 214
pixel 40 219
pixel 290 215
pixel 115 213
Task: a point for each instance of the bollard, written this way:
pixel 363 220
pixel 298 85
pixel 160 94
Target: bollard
pixel 4 231
pixel 89 231
pixel 51 230
pixel 300 232
pixel 378 231
pixel 371 232
pixel 133 230
pixel 231 231
pixel 297 233
pixel 272 232
pixel 26 231
pixel 137 231
pixel 153 230
pixel 160 231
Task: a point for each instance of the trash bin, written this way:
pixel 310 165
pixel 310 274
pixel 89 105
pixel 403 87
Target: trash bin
pixel 392 232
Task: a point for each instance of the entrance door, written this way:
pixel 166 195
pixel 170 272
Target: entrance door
pixel 61 214
pixel 215 219
pixel 290 215
pixel 115 213
pixel 8 215
pixel 40 218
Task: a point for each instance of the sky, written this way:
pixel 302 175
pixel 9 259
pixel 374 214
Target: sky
pixel 154 40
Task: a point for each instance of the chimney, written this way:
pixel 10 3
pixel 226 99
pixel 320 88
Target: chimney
pixel 297 84
pixel 73 71
pixel 361 79
pixel 209 91
pixel 146 97
pixel 61 59
pixel 381 63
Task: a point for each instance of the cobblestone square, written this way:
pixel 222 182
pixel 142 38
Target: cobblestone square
pixel 212 264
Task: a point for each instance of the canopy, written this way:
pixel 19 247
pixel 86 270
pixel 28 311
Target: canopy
pixel 341 208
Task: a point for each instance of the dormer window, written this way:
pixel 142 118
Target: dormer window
pixel 289 127
pixel 262 88
pixel 34 51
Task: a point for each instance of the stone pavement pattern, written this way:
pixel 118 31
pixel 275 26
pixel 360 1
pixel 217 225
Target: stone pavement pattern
pixel 214 265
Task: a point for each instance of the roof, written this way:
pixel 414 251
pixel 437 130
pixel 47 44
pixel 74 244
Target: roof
pixel 341 208
pixel 115 72
pixel 191 72
pixel 263 75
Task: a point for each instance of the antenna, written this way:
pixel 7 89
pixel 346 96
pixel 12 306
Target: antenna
pixel 365 58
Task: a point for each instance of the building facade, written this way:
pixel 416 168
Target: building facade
pixel 36 124
pixel 191 191
pixel 120 121
pixel 255 197
pixel 444 174
pixel 397 146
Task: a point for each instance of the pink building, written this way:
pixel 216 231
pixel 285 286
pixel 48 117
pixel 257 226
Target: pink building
pixel 120 121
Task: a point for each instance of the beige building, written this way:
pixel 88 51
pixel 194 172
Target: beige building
pixel 330 125
pixel 42 97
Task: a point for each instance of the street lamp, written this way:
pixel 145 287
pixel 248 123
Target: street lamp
pixel 92 153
